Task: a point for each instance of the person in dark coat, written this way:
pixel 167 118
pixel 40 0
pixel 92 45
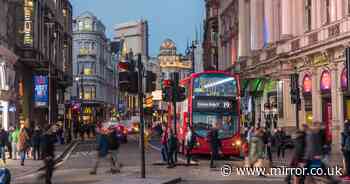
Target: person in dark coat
pixel 3 142
pixel 345 147
pixel 191 142
pixel 280 138
pixel 36 143
pixel 48 153
pixel 215 144
pixel 172 147
pixel 164 144
pixel 267 138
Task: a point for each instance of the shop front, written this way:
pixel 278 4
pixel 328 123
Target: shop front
pixel 307 96
pixel 251 102
pixel 326 101
pixel 7 88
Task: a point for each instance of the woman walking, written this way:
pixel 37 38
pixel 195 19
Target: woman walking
pixel 23 143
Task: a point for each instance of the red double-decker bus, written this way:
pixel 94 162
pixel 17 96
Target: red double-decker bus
pixel 212 97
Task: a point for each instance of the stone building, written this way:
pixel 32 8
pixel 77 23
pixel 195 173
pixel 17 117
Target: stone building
pixel 211 35
pixel 170 61
pixel 93 69
pixel 279 37
pixel 41 37
pixel 8 94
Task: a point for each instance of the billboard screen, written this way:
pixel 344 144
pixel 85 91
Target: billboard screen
pixel 41 93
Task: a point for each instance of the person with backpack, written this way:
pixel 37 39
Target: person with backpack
pixel 172 146
pixel 22 145
pixel 104 143
pixel 345 147
pixel 215 144
pixel 190 143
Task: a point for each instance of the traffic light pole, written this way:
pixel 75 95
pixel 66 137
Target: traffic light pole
pixel 142 126
pixel 175 117
pixel 297 114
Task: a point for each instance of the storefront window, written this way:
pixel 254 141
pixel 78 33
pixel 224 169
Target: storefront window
pixel 344 80
pixel 307 84
pixel 325 81
pixel 89 92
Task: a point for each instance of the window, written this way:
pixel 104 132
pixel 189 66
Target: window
pixel 307 8
pixel 89 92
pixel 80 25
pixel 87 25
pixel 86 68
pixel 327 12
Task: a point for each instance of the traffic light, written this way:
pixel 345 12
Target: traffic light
pixel 294 88
pixel 167 91
pixel 150 82
pixel 180 94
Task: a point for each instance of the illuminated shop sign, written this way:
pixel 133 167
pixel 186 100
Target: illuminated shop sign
pixel 41 93
pixel 28 22
pixel 344 80
pixel 307 84
pixel 325 81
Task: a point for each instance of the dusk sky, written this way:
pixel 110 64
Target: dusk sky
pixel 174 19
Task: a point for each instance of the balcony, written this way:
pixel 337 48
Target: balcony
pixel 329 33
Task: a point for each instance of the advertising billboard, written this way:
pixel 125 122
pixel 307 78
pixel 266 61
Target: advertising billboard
pixel 41 92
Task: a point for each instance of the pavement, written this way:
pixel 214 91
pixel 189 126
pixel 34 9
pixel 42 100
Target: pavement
pixel 30 165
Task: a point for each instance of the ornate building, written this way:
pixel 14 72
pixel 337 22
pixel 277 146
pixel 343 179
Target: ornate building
pixel 211 35
pixel 42 38
pixel 93 69
pixel 171 62
pixel 303 36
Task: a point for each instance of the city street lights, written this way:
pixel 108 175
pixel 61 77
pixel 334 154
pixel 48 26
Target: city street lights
pixel 193 47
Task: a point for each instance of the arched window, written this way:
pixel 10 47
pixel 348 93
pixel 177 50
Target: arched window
pixel 307 84
pixel 325 83
pixel 344 79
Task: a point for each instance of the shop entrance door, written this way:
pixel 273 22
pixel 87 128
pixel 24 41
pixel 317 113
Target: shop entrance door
pixel 327 117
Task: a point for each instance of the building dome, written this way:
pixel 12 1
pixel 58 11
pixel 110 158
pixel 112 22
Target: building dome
pixel 168 47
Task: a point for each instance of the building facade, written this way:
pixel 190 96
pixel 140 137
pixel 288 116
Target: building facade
pixel 170 61
pixel 40 32
pixel 8 93
pixel 135 35
pixel 279 37
pixel 94 69
pixel 211 35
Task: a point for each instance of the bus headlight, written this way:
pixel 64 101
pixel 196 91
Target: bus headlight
pixel 238 143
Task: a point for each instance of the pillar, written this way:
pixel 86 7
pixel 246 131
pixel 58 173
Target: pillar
pixel 243 28
pixel 337 105
pixel 268 20
pixel 286 10
pixel 257 24
pixel 316 96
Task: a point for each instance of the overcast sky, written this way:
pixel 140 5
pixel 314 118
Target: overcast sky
pixel 174 19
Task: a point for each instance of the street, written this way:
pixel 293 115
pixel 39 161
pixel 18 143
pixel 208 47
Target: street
pixel 75 170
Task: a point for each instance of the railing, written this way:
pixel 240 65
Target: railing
pixel 324 33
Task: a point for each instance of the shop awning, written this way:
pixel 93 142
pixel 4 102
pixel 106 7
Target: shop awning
pixel 252 86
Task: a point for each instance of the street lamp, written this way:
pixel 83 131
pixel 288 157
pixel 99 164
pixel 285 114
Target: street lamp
pixel 80 79
pixel 193 47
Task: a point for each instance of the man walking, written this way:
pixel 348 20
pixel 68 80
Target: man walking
pixel 48 153
pixel 190 143
pixel 3 142
pixel 215 144
pixel 14 141
pixel 172 146
pixel 36 143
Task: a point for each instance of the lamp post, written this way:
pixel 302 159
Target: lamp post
pixel 193 47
